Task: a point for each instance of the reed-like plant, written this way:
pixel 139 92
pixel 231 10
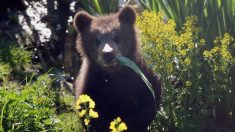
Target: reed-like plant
pixel 100 6
pixel 215 17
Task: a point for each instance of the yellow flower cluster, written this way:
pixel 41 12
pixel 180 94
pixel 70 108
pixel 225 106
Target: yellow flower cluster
pixel 117 125
pixel 220 57
pixel 164 46
pixel 188 84
pixel 85 106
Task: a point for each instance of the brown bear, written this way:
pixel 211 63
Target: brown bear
pixel 117 90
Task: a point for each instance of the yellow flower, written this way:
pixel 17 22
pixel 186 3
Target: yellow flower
pixel 183 52
pixel 93 114
pixel 77 106
pixel 85 106
pixel 220 56
pixel 187 61
pixel 117 125
pixel 118 120
pixel 87 122
pixel 85 100
pixel 82 113
pixel 112 126
pixel 82 99
pixel 202 42
pixel 226 55
pixel 163 45
pixel 122 127
pixel 207 54
pixel 188 84
pixel 214 50
pixel 92 104
pixel 227 39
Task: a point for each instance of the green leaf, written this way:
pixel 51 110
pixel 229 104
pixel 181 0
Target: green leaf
pixel 48 122
pixel 131 64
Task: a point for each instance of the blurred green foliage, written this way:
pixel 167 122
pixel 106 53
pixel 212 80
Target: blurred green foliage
pixel 14 55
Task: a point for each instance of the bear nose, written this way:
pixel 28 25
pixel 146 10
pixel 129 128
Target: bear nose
pixel 108 56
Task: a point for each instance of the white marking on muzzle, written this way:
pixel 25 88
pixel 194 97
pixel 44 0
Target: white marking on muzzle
pixel 107 48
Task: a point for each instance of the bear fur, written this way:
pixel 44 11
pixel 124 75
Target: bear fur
pixel 117 90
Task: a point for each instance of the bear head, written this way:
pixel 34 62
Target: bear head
pixel 101 39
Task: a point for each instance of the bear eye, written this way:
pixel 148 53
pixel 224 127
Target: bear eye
pixel 97 41
pixel 116 39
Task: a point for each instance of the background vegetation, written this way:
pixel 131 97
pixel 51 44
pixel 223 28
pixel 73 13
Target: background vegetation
pixel 189 44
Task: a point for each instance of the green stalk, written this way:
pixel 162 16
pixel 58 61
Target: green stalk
pixel 97 6
pixel 155 5
pixel 129 63
pixel 3 108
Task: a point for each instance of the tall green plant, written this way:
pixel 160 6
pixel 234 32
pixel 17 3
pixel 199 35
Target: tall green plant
pixel 100 6
pixel 215 17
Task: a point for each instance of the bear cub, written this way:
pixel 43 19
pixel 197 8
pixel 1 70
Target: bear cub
pixel 117 90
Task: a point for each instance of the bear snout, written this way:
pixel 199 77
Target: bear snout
pixel 108 57
pixel 108 54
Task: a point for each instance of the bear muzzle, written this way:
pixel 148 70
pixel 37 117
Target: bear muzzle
pixel 108 54
pixel 108 57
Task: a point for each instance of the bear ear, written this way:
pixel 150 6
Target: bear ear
pixel 82 20
pixel 127 14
